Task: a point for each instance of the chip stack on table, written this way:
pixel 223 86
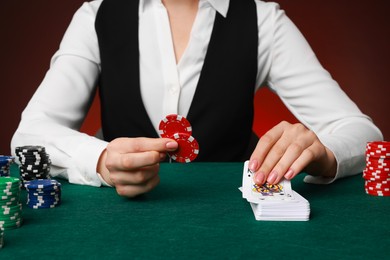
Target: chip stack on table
pixel 34 163
pixel 43 193
pixel 5 162
pixel 278 202
pixel 177 127
pixel 377 171
pixel 11 208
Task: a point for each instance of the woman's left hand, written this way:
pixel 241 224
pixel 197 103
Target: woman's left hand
pixel 286 150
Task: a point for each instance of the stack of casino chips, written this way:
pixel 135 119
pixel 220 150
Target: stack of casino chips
pixel 377 171
pixel 34 163
pixel 5 162
pixel 43 193
pixel 10 206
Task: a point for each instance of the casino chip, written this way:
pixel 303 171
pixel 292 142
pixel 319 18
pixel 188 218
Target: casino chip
pixel 43 193
pixel 173 124
pixel 5 162
pixel 34 162
pixel 10 206
pixel 188 148
pixel 179 128
pixel 377 171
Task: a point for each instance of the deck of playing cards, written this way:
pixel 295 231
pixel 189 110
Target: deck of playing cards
pixel 274 202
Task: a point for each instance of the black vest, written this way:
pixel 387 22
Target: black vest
pixel 221 113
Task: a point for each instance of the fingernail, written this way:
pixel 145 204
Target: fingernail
pixel 259 178
pixel 162 156
pixel 289 174
pixel 171 145
pixel 253 164
pixel 272 177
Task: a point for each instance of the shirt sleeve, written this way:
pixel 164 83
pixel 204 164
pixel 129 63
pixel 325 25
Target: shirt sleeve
pixel 290 68
pixel 57 109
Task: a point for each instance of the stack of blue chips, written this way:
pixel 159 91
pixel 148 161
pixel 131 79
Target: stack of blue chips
pixel 5 162
pixel 43 193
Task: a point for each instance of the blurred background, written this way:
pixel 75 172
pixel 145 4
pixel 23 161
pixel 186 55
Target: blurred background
pixel 351 40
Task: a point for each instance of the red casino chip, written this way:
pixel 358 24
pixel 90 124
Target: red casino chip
pixel 378 169
pixel 377 156
pixel 375 189
pixel 188 148
pixel 384 191
pixel 378 163
pixel 378 149
pixel 377 185
pixel 375 176
pixel 377 193
pixel 173 124
pixel 378 188
pixel 376 172
pixel 377 179
pixel 378 145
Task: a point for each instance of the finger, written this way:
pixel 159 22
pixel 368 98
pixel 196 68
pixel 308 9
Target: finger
pixel 129 153
pixel 264 145
pixel 142 144
pixel 138 177
pixel 163 156
pixel 273 149
pixel 131 191
pixel 129 161
pixel 308 156
pixel 285 157
pixel 285 164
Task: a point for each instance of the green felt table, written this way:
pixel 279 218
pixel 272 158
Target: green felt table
pixel 197 212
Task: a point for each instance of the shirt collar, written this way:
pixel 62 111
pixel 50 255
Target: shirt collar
pixel 221 6
pixel 144 4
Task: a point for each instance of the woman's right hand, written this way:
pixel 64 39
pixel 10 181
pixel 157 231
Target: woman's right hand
pixel 131 165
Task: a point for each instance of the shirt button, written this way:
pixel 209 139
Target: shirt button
pixel 174 90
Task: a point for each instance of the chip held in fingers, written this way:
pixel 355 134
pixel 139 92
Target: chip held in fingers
pixel 173 124
pixel 177 127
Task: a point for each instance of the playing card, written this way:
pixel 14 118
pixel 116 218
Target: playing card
pixel 255 193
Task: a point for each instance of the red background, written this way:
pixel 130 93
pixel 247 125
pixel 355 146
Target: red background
pixel 350 38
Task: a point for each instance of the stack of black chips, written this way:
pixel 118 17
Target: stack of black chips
pixel 34 163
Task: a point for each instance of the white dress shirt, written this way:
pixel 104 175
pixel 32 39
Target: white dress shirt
pixel 286 64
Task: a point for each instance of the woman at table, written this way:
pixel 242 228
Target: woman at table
pixel 203 59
